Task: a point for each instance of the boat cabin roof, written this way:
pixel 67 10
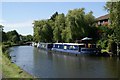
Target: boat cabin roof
pixel 70 43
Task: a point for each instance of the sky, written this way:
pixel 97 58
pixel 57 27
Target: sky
pixel 19 16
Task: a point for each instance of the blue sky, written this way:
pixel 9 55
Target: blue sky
pixel 20 15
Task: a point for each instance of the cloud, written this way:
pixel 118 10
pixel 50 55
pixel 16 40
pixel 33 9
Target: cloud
pixel 24 27
pixel 18 24
pixel 2 21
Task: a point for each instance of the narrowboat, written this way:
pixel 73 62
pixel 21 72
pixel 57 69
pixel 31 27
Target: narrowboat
pixel 86 47
pixel 74 48
pixel 46 46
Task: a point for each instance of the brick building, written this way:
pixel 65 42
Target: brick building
pixel 103 20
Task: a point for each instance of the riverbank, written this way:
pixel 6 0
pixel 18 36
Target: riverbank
pixel 11 70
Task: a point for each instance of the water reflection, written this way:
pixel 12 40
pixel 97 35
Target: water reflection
pixel 41 63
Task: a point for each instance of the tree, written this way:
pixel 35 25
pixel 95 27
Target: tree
pixel 38 25
pixel 66 35
pixel 14 39
pixel 26 38
pixel 1 30
pixel 29 38
pixel 3 35
pixel 47 33
pixel 13 36
pixel 54 16
pixel 90 19
pixel 114 11
pixel 57 34
pixel 79 23
pixel 59 27
pixel 75 25
pixel 43 31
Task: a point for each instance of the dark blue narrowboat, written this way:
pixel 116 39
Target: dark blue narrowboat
pixel 74 48
pixel 82 48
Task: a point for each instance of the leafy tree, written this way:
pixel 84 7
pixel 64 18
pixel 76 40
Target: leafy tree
pixel 66 35
pixel 43 31
pixel 29 38
pixel 1 30
pixel 114 11
pixel 47 33
pixel 26 38
pixel 4 37
pixel 38 25
pixel 78 23
pixel 54 16
pixel 13 36
pixel 63 35
pixel 59 27
pixel 57 34
pixel 90 19
pixel 75 25
pixel 3 34
pixel 14 39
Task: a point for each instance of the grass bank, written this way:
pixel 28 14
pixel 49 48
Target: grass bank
pixel 11 70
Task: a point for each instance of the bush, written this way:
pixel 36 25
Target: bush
pixel 7 43
pixel 103 44
pixel 5 50
pixel 112 47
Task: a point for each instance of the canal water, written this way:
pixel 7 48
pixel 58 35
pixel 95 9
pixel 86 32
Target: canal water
pixel 43 64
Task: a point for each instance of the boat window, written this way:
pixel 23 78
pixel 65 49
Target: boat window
pixel 75 47
pixel 68 46
pixel 71 47
pixel 65 47
pixel 49 45
pixel 56 45
pixel 61 46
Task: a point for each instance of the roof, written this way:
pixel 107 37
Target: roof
pixel 103 17
pixel 70 43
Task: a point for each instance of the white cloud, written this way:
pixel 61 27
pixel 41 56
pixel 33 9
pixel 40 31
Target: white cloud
pixel 17 24
pixel 23 28
pixel 2 21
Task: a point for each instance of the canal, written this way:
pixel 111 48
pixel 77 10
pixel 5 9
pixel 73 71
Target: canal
pixel 43 64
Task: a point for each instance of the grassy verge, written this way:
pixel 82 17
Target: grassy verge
pixel 10 70
pixel 0 62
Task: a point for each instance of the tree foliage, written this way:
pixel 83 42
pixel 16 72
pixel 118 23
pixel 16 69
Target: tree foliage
pixel 54 16
pixel 114 11
pixel 3 34
pixel 26 38
pixel 13 36
pixel 110 35
pixel 74 26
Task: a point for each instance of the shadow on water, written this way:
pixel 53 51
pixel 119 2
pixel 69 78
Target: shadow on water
pixel 41 63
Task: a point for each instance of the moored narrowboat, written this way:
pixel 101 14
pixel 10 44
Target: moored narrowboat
pixel 46 46
pixel 75 48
